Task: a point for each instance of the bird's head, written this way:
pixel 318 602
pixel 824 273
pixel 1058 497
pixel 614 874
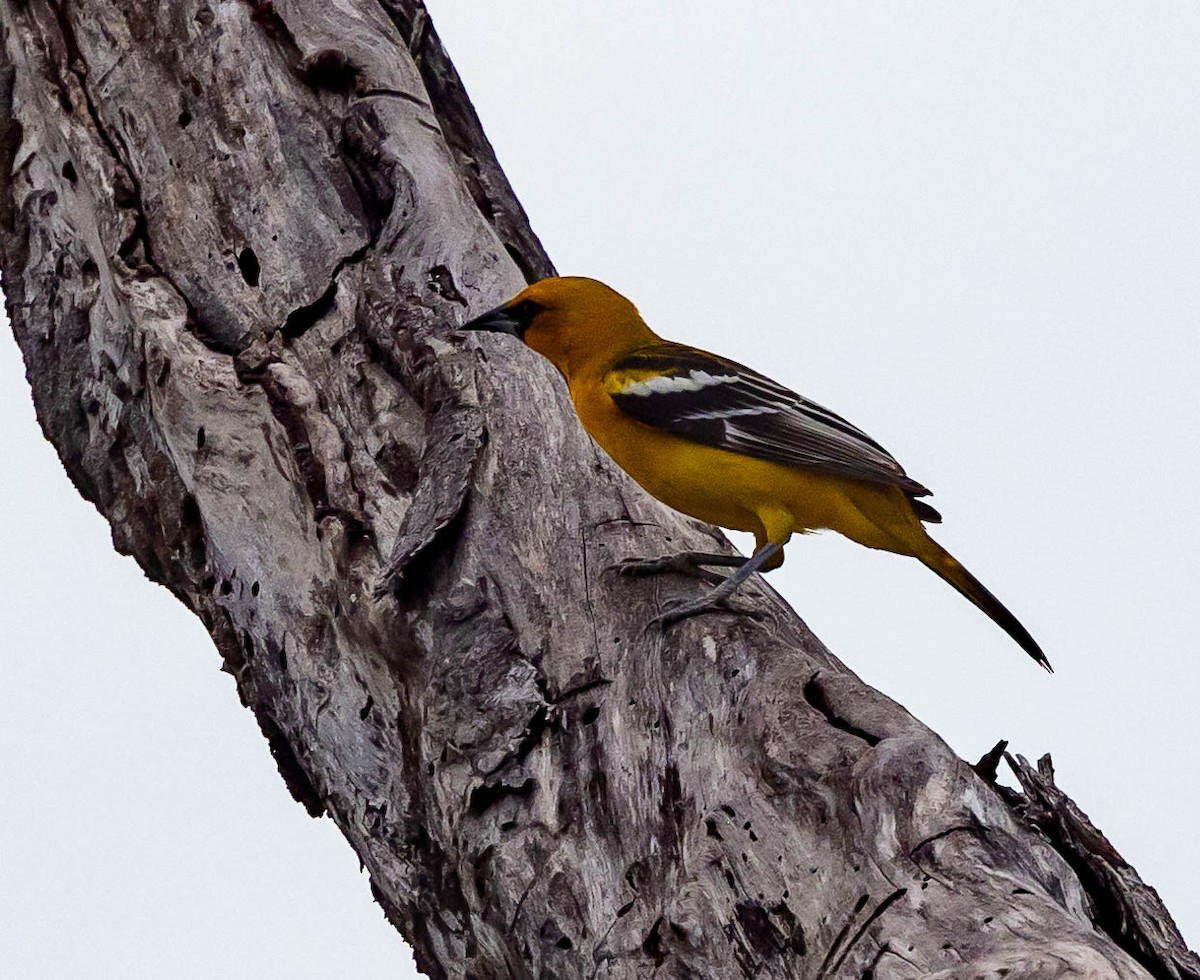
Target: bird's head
pixel 572 321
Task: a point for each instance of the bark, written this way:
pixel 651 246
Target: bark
pixel 236 238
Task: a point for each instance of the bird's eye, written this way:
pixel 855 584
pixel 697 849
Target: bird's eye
pixel 523 313
pixel 527 309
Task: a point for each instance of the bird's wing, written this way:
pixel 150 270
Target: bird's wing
pixel 720 403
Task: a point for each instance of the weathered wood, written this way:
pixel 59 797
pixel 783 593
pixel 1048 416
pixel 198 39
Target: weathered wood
pixel 236 238
pixel 1119 902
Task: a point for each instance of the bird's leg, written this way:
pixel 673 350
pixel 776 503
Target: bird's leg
pixel 716 598
pixel 690 563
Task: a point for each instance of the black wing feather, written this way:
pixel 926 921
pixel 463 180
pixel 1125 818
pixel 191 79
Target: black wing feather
pixel 732 407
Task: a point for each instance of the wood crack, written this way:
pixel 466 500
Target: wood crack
pixel 815 695
pixel 870 920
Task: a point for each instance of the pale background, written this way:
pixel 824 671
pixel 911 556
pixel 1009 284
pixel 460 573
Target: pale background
pixel 970 228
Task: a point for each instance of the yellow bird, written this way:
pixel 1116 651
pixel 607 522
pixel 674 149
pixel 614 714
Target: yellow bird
pixel 725 444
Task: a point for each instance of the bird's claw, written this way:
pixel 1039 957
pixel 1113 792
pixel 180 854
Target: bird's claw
pixel 675 564
pixel 637 567
pixel 676 610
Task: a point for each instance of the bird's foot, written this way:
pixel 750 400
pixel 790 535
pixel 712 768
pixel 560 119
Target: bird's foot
pixel 677 610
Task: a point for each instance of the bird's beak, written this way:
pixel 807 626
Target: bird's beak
pixel 499 320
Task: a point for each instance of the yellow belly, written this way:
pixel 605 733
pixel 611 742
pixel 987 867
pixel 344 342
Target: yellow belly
pixel 770 500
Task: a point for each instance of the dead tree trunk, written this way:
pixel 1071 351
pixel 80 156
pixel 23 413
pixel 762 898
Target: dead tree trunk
pixel 236 237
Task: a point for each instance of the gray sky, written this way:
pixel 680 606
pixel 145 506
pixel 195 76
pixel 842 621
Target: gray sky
pixel 972 229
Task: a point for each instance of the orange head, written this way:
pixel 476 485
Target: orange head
pixel 574 322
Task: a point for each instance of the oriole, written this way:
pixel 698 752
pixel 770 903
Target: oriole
pixel 722 443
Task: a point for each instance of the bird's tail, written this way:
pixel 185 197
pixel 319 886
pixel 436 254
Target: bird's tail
pixel 939 560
